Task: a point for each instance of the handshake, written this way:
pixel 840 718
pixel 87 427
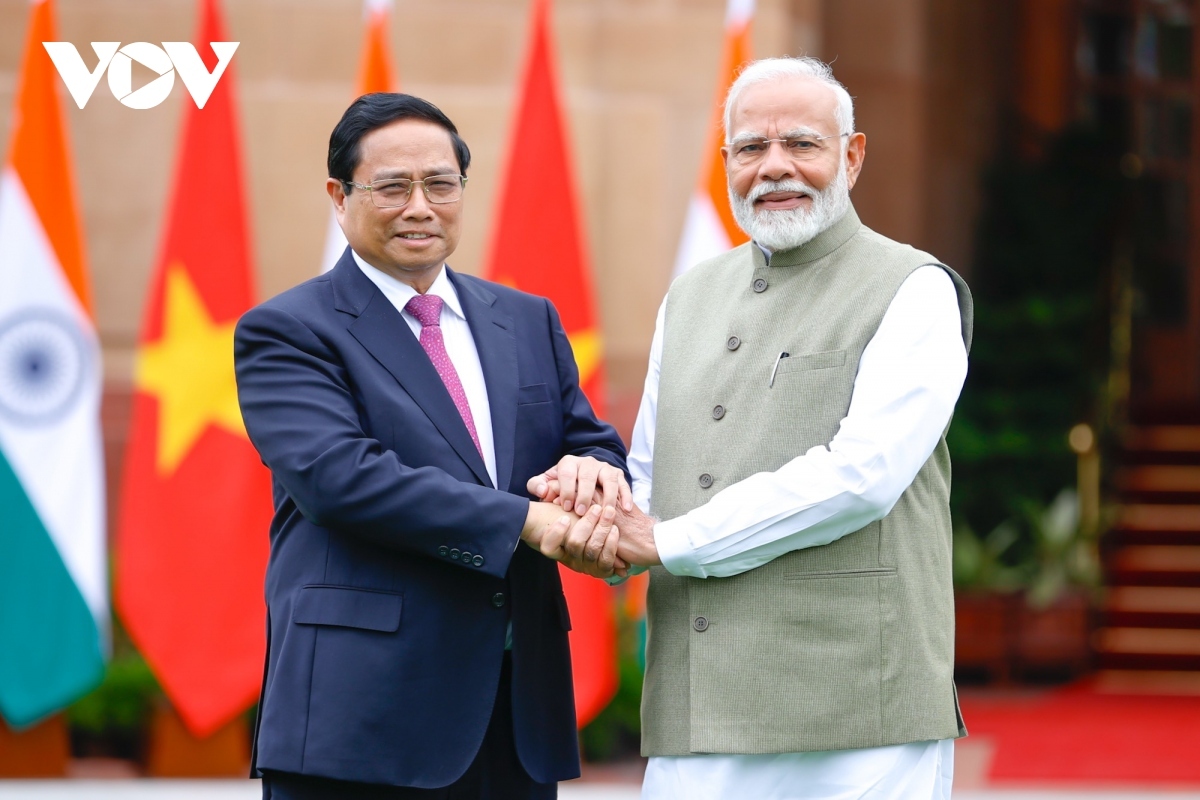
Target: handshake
pixel 586 519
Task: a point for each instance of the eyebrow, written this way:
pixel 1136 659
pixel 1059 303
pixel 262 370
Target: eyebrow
pixel 392 174
pixel 748 136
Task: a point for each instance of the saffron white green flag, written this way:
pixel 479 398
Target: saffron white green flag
pixel 53 587
pixel 709 228
pixel 375 74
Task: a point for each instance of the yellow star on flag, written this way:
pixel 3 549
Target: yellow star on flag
pixel 589 349
pixel 190 371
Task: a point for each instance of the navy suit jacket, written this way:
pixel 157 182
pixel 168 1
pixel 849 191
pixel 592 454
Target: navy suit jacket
pixel 395 565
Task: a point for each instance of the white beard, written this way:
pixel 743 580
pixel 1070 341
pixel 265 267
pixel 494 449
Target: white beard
pixel 788 228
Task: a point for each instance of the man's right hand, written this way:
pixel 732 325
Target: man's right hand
pixel 563 536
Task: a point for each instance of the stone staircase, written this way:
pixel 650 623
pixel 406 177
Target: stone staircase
pixel 1150 638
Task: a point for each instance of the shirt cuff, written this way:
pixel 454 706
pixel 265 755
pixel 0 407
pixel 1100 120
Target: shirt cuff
pixel 675 548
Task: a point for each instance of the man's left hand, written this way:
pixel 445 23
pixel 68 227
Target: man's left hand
pixel 575 483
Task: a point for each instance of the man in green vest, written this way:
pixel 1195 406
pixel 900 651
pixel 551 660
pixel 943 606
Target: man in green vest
pixel 790 452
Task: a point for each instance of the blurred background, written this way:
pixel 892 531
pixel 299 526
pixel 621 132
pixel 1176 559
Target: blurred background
pixel 1045 149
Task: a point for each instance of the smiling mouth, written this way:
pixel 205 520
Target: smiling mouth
pixel 416 236
pixel 780 197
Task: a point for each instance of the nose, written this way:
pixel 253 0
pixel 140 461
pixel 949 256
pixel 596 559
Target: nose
pixel 417 206
pixel 776 164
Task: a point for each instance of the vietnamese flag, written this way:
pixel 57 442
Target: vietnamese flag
pixel 196 501
pixel 710 228
pixel 375 74
pixel 538 246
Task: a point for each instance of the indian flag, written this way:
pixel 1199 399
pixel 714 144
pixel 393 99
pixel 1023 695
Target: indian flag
pixel 710 229
pixel 53 592
pixel 375 74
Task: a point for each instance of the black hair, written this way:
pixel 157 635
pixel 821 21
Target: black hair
pixel 373 111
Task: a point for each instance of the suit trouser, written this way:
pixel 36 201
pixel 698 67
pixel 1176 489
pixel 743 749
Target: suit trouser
pixel 495 774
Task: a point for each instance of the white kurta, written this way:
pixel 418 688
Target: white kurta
pixel 909 378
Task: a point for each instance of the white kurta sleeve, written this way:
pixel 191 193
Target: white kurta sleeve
pixel 641 449
pixel 909 378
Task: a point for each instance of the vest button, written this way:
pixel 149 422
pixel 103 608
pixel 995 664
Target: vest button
pixel 705 481
pixel 498 600
pixel 760 285
pixel 733 343
pixel 718 412
pixel 700 624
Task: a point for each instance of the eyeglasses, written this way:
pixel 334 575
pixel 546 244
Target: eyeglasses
pixel 396 193
pixel 798 148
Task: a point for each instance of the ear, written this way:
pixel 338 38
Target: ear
pixel 337 193
pixel 856 153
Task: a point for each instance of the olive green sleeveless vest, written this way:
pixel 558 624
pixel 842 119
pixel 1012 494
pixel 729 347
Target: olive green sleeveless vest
pixel 846 645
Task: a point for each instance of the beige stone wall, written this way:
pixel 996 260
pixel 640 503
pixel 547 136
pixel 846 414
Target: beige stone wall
pixel 929 79
pixel 638 78
pixel 637 82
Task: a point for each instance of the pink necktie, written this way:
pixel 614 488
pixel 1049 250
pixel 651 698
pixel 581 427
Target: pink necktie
pixel 427 308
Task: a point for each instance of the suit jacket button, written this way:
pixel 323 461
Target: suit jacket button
pixel 466 557
pixel 477 561
pixel 760 285
pixel 718 412
pixel 454 553
pixel 443 550
pixel 498 599
pixel 705 481
pixel 733 343
pixel 701 624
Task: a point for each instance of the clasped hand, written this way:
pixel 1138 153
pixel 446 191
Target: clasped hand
pixel 587 520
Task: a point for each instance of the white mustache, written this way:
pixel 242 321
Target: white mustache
pixel 766 187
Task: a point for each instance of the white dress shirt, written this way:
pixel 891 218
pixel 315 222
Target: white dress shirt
pixel 460 346
pixel 909 377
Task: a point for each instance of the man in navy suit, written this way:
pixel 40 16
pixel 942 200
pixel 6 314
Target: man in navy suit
pixel 416 648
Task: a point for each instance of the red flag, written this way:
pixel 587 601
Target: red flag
pixel 196 501
pixel 538 246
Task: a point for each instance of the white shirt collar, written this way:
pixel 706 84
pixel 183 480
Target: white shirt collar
pixel 400 292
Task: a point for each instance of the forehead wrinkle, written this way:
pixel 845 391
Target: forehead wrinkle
pixel 392 173
pixel 796 133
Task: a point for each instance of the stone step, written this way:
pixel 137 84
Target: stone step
pixel 1152 641
pixel 1161 682
pixel 1148 648
pixel 1171 559
pixel 1158 517
pixel 1153 599
pixel 1159 478
pixel 1163 438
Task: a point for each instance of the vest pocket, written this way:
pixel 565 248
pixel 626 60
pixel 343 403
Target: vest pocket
pixel 806 361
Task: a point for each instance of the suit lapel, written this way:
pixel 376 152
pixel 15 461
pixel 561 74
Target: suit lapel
pixel 496 341
pixel 386 336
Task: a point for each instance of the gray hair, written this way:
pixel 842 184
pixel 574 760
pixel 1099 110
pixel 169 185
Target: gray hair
pixel 766 70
